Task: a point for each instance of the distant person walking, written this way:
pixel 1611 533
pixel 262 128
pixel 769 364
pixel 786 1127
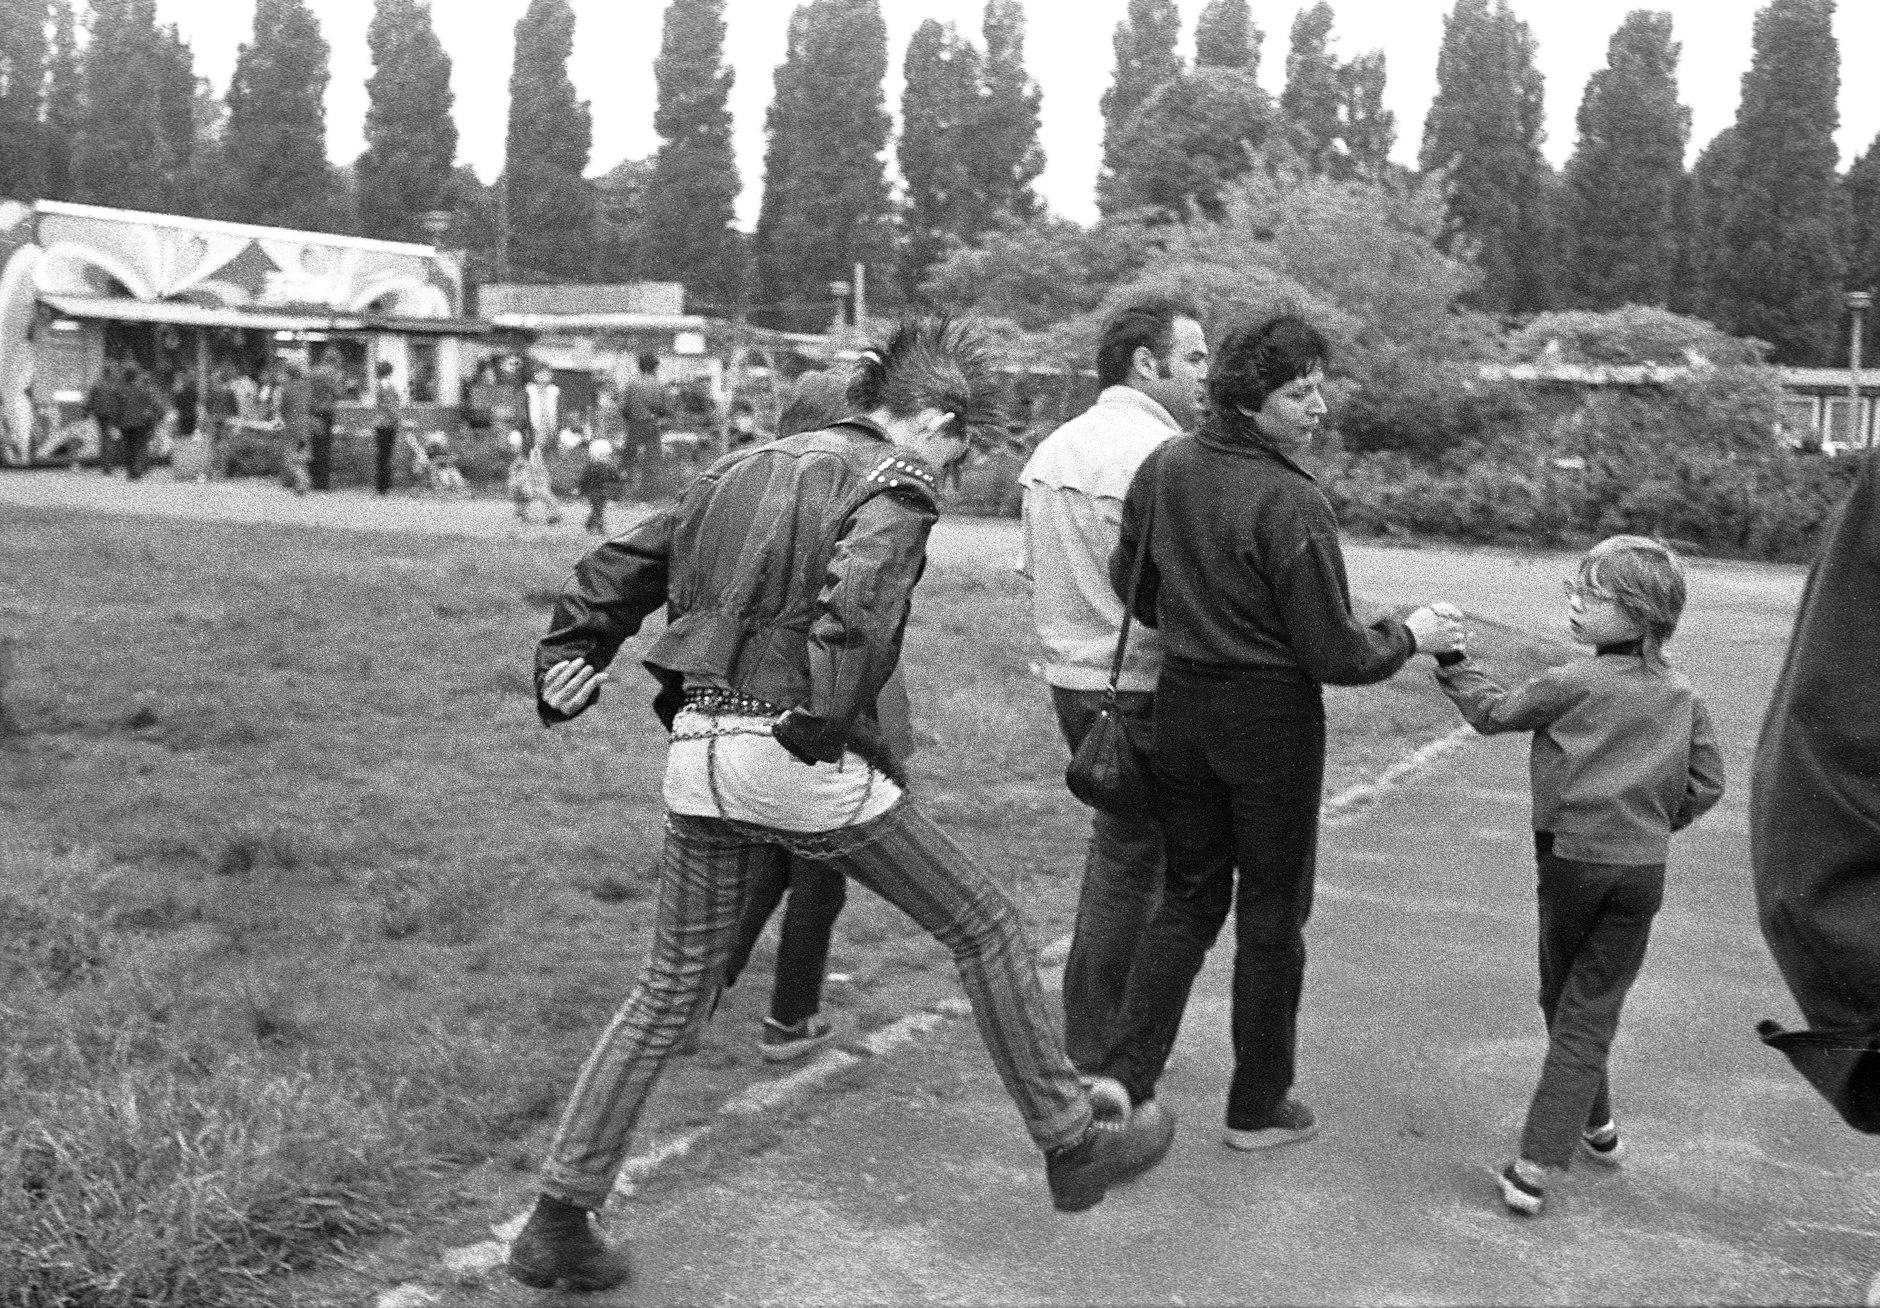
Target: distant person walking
pixel 599 485
pixel 324 386
pixel 293 398
pixel 386 409
pixel 643 406
pixel 1245 581
pixel 1623 755
pixel 104 405
pixel 1152 362
pixel 814 543
pixel 141 408
pixel 221 406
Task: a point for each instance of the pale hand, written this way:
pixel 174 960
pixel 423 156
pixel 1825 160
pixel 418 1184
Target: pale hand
pixel 1436 633
pixel 570 684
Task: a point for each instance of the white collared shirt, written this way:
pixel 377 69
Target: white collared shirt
pixel 1074 486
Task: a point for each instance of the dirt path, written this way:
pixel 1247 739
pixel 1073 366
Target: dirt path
pixel 1419 1046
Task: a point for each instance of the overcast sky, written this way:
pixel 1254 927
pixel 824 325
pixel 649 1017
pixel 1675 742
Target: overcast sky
pixel 1068 51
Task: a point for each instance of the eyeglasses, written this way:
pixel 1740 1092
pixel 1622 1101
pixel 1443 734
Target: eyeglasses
pixel 1575 590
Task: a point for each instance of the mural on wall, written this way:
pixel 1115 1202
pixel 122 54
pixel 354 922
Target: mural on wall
pixel 71 252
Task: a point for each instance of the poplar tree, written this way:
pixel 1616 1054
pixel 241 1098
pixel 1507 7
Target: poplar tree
pixel 1005 156
pixel 1145 58
pixel 1312 105
pixel 1863 198
pixel 1485 130
pixel 22 98
pixel 131 148
pixel 1623 181
pixel 1703 204
pixel 1370 130
pixel 1781 261
pixel 64 106
pixel 550 205
pixel 1225 37
pixel 688 224
pixel 939 115
pixel 274 168
pixel 411 138
pixel 826 200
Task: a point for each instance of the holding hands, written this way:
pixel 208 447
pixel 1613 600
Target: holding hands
pixel 1438 629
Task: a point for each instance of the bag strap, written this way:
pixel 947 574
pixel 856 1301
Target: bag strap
pixel 1135 577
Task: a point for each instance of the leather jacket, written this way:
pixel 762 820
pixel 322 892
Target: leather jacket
pixel 786 571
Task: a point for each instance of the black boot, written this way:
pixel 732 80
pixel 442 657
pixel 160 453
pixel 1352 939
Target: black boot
pixel 1110 1153
pixel 559 1246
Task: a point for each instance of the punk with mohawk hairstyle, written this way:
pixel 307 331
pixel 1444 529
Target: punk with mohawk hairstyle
pixel 934 362
pixel 787 571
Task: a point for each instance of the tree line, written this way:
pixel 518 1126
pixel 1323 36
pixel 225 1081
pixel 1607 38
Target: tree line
pixel 1760 235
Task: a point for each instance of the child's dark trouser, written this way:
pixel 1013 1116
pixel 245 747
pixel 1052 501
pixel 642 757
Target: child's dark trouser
pixel 1595 921
pixel 597 514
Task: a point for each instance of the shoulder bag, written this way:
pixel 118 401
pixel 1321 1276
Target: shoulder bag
pixel 1110 767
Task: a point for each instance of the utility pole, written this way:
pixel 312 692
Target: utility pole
pixel 1858 302
pixel 861 294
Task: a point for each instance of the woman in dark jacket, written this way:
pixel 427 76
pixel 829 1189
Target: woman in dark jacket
pixel 1246 582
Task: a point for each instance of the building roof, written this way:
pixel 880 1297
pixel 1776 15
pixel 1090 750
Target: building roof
pixel 503 299
pixel 138 217
pixel 184 313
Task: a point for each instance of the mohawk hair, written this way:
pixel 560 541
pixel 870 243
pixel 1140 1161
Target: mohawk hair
pixel 934 362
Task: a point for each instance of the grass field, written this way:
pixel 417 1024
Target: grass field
pixel 304 919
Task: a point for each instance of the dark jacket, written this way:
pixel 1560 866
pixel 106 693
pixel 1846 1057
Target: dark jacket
pixel 600 479
pixel 1623 753
pixel 1814 818
pixel 1244 573
pixel 786 571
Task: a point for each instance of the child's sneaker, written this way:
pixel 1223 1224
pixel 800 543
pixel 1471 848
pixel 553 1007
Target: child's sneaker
pixel 785 1044
pixel 1292 1123
pixel 1523 1187
pixel 1603 1145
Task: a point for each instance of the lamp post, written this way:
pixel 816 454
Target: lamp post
pixel 1858 302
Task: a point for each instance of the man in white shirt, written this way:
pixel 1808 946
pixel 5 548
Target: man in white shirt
pixel 1152 362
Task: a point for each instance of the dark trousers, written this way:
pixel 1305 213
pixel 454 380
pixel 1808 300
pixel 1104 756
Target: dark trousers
pixel 1239 762
pixel 597 523
pixel 1595 921
pixel 320 469
pixel 817 894
pixel 384 441
pixel 136 441
pixel 1122 886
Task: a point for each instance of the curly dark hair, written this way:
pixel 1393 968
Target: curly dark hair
pixel 934 362
pixel 1254 360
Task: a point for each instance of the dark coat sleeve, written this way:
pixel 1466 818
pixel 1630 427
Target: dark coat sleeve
pixel 861 611
pixel 614 588
pixel 1314 599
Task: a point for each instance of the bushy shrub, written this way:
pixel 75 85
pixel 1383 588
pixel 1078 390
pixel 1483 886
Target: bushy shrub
pixel 1768 507
pixel 1634 334
pixel 1428 410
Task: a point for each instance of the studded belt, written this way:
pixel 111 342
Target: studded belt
pixel 719 700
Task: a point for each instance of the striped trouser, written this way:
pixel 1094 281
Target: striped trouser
pixel 902 856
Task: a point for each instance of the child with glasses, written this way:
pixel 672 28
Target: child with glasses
pixel 1623 755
